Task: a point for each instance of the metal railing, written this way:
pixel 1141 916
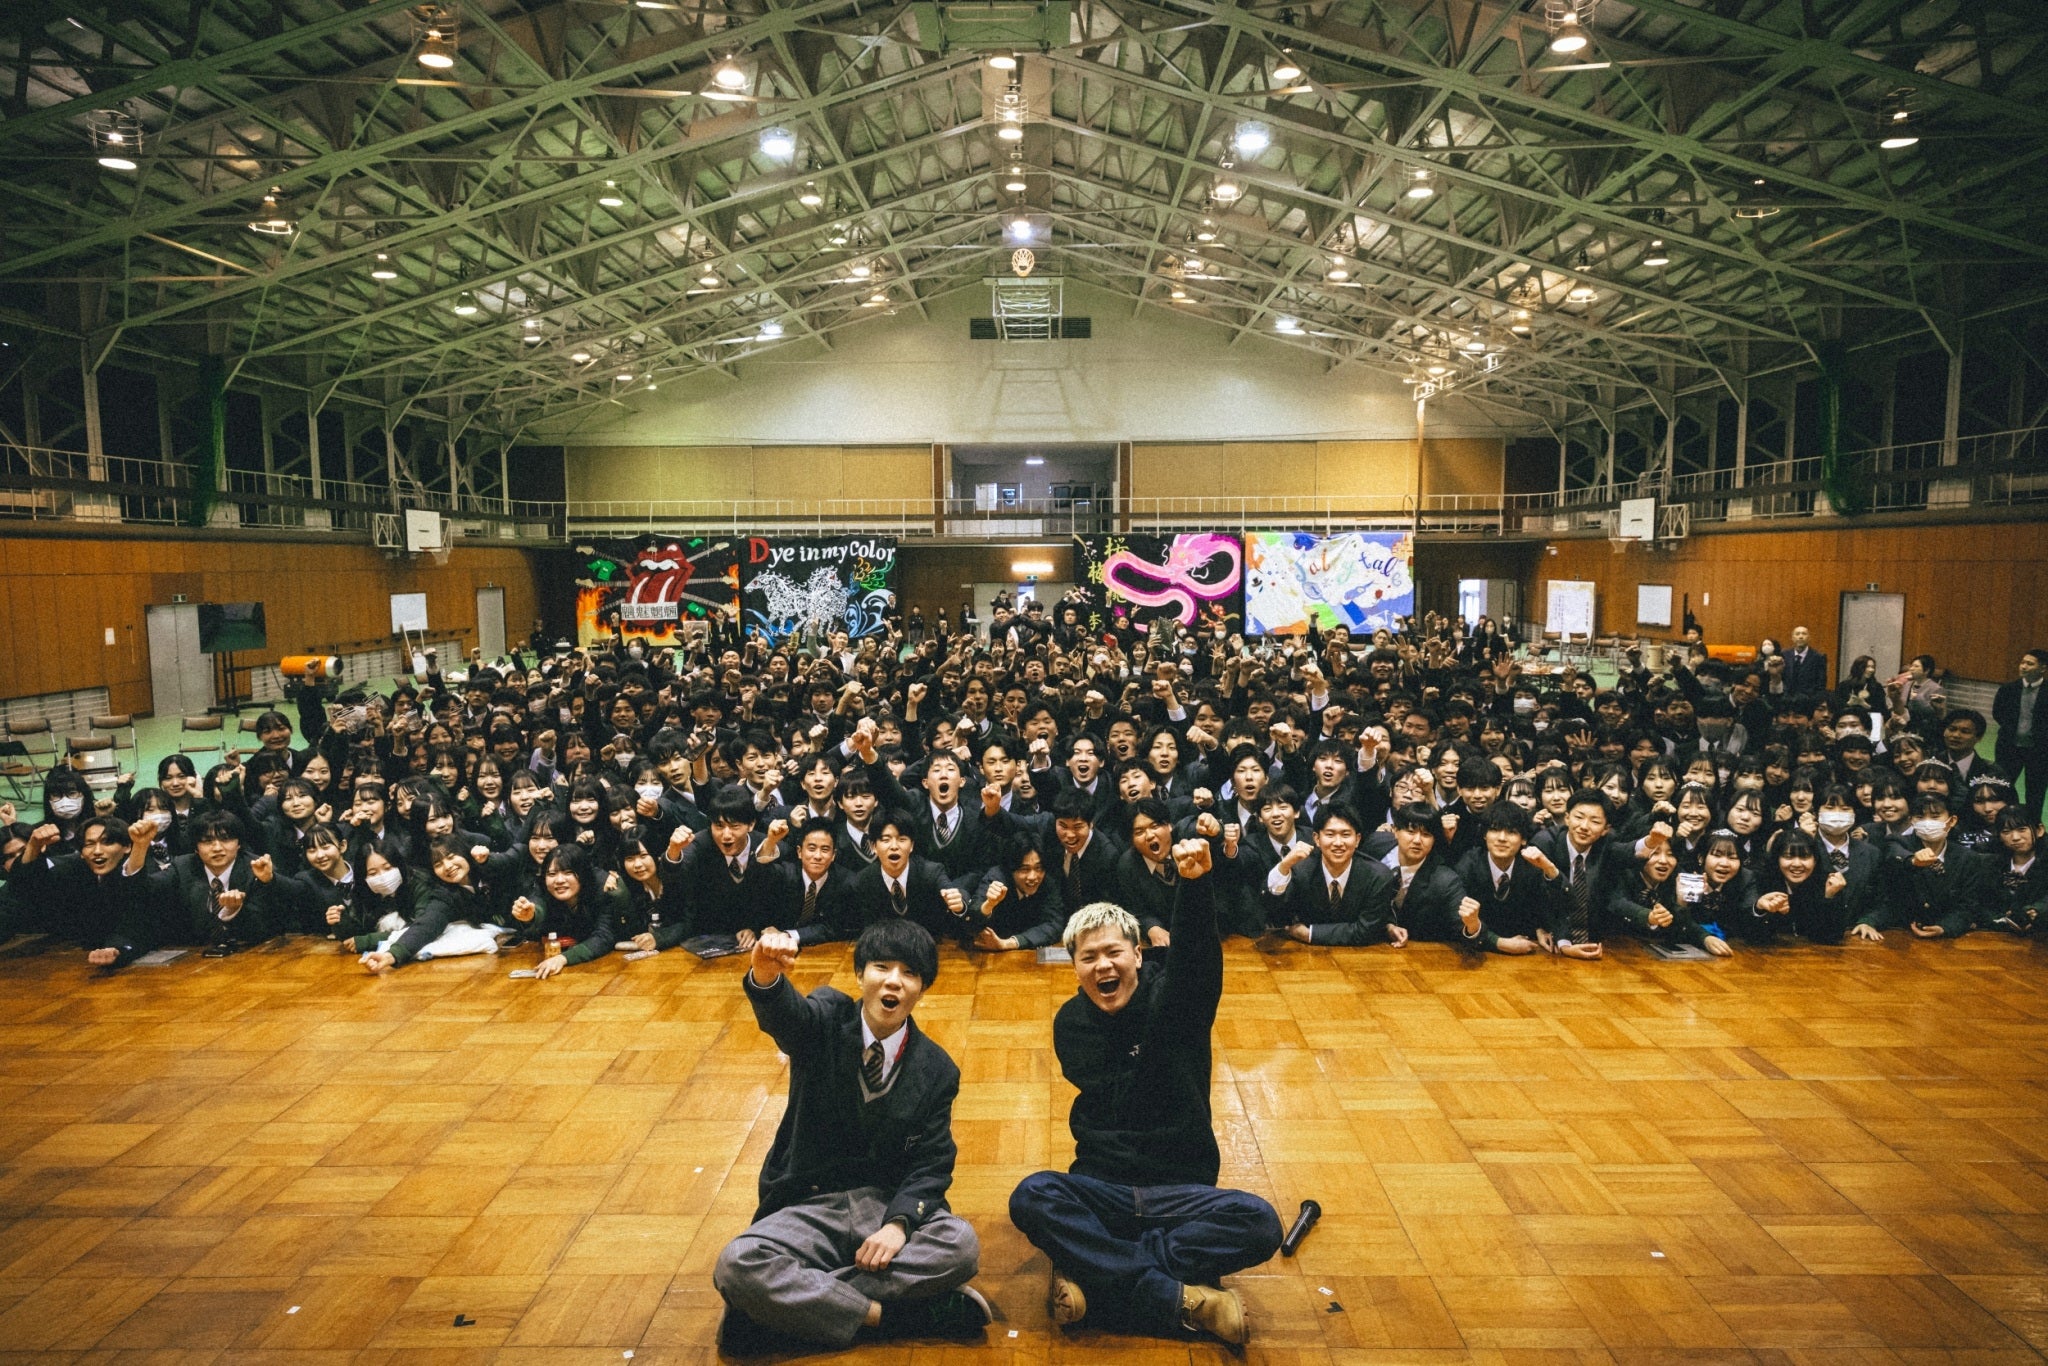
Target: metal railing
pixel 1988 471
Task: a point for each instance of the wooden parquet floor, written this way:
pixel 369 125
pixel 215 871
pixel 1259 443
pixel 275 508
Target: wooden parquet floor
pixel 1815 1155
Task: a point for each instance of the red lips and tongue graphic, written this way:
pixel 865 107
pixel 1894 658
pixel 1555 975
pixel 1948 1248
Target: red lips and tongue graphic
pixel 659 575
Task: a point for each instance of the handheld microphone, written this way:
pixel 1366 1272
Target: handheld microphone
pixel 1303 1222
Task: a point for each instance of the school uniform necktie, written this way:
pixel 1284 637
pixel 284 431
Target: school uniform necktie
pixel 899 897
pixel 945 827
pixel 1838 859
pixel 871 1066
pixel 1336 894
pixel 733 869
pixel 1582 897
pixel 215 889
pixel 810 904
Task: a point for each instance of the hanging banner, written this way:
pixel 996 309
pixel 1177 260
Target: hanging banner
pixel 1182 579
pixel 808 586
pixel 652 586
pixel 1360 579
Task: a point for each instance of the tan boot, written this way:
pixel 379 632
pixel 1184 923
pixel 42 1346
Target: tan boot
pixel 1066 1301
pixel 1219 1313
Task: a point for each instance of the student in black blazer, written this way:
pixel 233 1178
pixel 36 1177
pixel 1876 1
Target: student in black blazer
pixel 1020 906
pixel 727 882
pixel 1081 858
pixel 1145 872
pixel 216 896
pixel 852 1236
pixel 1859 862
pixel 2019 877
pixel 813 893
pixel 1511 890
pixel 1592 861
pixel 91 897
pixel 1649 905
pixel 1799 894
pixel 1934 887
pixel 901 886
pixel 951 831
pixel 1426 889
pixel 1328 895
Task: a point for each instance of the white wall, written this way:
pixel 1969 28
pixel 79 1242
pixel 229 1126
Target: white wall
pixel 1151 377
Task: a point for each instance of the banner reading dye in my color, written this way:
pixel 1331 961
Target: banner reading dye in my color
pixel 813 585
pixel 1359 579
pixel 1182 579
pixel 651 585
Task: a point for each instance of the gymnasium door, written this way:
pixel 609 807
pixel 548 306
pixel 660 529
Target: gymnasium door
pixel 490 622
pixel 1873 624
pixel 180 677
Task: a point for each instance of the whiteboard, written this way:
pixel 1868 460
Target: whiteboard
pixel 1653 604
pixel 408 612
pixel 1571 608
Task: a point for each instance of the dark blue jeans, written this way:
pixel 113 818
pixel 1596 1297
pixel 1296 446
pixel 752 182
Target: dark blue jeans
pixel 1132 1248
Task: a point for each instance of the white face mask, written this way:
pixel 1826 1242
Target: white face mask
pixel 1930 829
pixel 66 807
pixel 648 791
pixel 160 819
pixel 386 882
pixel 1837 822
pixel 1524 705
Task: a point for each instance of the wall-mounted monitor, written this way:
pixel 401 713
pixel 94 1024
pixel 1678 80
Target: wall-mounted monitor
pixel 228 628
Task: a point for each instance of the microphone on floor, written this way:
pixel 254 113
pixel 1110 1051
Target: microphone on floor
pixel 1303 1222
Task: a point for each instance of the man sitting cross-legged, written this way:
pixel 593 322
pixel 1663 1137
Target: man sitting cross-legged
pixel 852 1237
pixel 1138 1233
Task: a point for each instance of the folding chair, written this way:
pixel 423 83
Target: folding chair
pixel 93 758
pixel 115 726
pixel 246 725
pixel 206 729
pixel 26 756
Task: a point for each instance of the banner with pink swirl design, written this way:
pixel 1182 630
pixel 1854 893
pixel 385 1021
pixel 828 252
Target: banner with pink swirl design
pixel 1189 579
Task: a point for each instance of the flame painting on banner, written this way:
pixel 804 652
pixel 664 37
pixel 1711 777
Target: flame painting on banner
pixel 652 585
pixel 1360 579
pixel 1182 579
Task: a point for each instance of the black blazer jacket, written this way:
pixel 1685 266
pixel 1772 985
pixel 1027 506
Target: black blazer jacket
pixel 830 1139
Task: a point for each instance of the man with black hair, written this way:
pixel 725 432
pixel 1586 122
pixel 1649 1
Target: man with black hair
pixel 1510 902
pixel 88 897
pixel 901 885
pixel 813 895
pixel 852 1237
pixel 727 879
pixel 216 896
pixel 1592 861
pixel 1327 895
pixel 1137 1231
pixel 1144 871
pixel 1426 890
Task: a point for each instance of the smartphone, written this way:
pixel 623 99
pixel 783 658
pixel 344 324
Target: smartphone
pixel 522 974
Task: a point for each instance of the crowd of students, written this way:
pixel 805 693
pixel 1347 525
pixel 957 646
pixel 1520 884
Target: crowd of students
pixel 1423 785
pixel 1132 797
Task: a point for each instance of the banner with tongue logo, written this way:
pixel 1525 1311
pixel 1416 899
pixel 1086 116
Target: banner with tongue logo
pixel 649 587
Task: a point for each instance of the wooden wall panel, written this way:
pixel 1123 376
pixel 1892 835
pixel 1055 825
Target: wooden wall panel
pixel 1320 469
pixel 1973 591
pixel 805 474
pixel 62 593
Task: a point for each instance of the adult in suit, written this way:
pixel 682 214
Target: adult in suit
pixel 90 897
pixel 1328 895
pixel 852 1235
pixel 1806 669
pixel 2021 710
pixel 1138 1233
pixel 900 885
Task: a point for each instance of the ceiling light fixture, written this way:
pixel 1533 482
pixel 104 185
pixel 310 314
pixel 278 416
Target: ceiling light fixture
pixel 1567 21
pixel 1252 139
pixel 1658 254
pixel 1226 190
pixel 1179 293
pixel 465 304
pixel 1521 323
pixel 876 299
pixel 1037 460
pixel 1287 69
pixel 1014 182
pixel 580 356
pixel 1011 111
pixel 382 269
pixel 1421 183
pixel 771 329
pixel 117 138
pixel 778 144
pixel 1003 61
pixel 1753 200
pixel 532 334
pixel 1437 367
pixel 1338 270
pixel 271 220
pixel 1191 263
pixel 810 198
pixel 611 198
pixel 727 75
pixel 861 270
pixel 709 279
pixel 438 29
pixel 1476 344
pixel 1290 326
pixel 1018 228
pixel 1206 232
pixel 1894 131
pixel 1581 292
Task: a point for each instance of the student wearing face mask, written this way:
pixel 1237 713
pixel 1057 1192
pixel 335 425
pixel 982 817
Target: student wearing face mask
pixel 448 895
pixel 153 807
pixel 1935 889
pixel 67 802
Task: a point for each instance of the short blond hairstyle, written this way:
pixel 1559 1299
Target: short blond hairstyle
pixel 1099 915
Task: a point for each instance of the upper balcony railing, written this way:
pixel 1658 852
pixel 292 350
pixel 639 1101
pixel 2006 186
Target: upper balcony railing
pixel 1991 471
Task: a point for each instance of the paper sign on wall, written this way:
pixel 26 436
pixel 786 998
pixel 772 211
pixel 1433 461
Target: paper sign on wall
pixel 1570 608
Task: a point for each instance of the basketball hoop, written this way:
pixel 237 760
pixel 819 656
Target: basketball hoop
pixel 1619 544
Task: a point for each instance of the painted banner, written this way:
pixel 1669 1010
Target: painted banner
pixel 810 586
pixel 650 586
pixel 1359 579
pixel 1179 579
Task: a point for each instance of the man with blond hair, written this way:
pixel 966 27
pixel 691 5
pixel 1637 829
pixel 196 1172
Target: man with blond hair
pixel 1138 1233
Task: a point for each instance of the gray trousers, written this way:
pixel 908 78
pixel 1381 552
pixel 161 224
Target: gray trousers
pixel 793 1271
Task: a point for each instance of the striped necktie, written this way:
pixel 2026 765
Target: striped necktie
pixel 871 1066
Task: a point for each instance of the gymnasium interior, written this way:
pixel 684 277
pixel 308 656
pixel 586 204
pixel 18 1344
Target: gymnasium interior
pixel 348 342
